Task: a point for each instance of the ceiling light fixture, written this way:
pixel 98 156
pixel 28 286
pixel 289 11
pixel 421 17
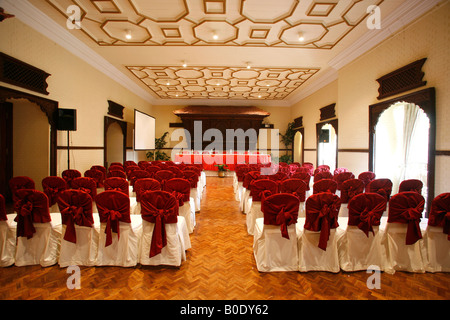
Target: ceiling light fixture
pixel 184 64
pixel 215 36
pixel 128 34
pixel 248 65
pixel 301 38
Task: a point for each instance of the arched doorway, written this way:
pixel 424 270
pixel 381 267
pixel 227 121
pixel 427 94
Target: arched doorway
pixel 401 144
pixel 298 146
pixel 327 144
pixel 115 141
pixel 426 99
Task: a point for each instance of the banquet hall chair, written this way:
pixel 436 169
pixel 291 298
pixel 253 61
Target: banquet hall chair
pixel 339 170
pixel 117 184
pixel 193 178
pixel 152 170
pixel 134 176
pixel 7 236
pixel 87 185
pixel 119 233
pixel 317 236
pixel 98 177
pixel 380 186
pixel 403 239
pixel 79 236
pixel 349 189
pixel 165 237
pixel 37 231
pixel 275 239
pixel 437 237
pixel 69 175
pixel 162 176
pixel 116 173
pixel 260 189
pixel 411 185
pixel 181 189
pixel 325 185
pixel 306 177
pixel 241 171
pixel 359 244
pixel 141 186
pixel 320 175
pixel 20 182
pixel 366 177
pixel 341 177
pixel 102 169
pixel 246 200
pixel 52 187
pixel 298 188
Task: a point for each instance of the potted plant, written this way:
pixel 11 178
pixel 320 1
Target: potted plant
pixel 222 168
pixel 160 143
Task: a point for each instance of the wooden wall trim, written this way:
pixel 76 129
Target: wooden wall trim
pixel 442 153
pixel 80 148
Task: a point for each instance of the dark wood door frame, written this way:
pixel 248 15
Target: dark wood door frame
pixel 49 107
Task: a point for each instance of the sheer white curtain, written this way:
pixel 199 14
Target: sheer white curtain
pixel 401 144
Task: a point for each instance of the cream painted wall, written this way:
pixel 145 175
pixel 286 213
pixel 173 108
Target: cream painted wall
pixel 356 89
pixel 75 85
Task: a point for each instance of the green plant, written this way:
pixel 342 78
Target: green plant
pixel 286 159
pixel 288 137
pixel 160 143
pixel 222 167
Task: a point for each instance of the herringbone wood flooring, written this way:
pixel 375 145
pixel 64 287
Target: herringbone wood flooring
pixel 220 266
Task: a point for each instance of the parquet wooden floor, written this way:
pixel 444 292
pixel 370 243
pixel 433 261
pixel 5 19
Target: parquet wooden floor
pixel 220 266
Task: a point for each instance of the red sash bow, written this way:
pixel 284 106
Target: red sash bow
pixel 321 215
pixel 24 219
pixel 74 215
pixel 440 213
pixel 280 210
pixel 112 225
pixel 407 207
pixel 159 207
pixel 365 211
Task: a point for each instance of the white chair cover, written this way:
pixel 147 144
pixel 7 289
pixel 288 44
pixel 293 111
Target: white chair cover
pixel 404 250
pixel 357 249
pixel 124 248
pixel 276 250
pixel 176 233
pixel 311 257
pixel 272 252
pixel 8 241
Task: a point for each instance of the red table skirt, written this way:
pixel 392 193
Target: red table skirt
pixel 210 160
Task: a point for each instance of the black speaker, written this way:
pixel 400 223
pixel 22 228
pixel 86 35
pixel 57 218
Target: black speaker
pixel 324 135
pixel 67 119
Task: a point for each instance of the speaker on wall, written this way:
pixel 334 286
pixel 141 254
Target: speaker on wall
pixel 67 119
pixel 324 136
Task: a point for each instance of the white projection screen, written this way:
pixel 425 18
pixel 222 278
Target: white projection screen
pixel 144 131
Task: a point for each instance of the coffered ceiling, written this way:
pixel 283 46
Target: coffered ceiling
pixel 218 51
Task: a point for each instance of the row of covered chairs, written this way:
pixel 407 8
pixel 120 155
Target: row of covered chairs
pixel 185 189
pixel 324 241
pixel 78 236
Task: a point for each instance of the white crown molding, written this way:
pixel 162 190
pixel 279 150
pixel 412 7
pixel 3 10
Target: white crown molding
pixel 37 20
pixel 314 85
pixel 408 12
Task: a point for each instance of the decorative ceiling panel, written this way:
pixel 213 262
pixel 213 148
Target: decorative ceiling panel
pixel 269 23
pixel 177 82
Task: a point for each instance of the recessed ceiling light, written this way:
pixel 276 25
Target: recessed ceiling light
pixel 215 36
pixel 184 64
pixel 301 38
pixel 248 65
pixel 128 34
